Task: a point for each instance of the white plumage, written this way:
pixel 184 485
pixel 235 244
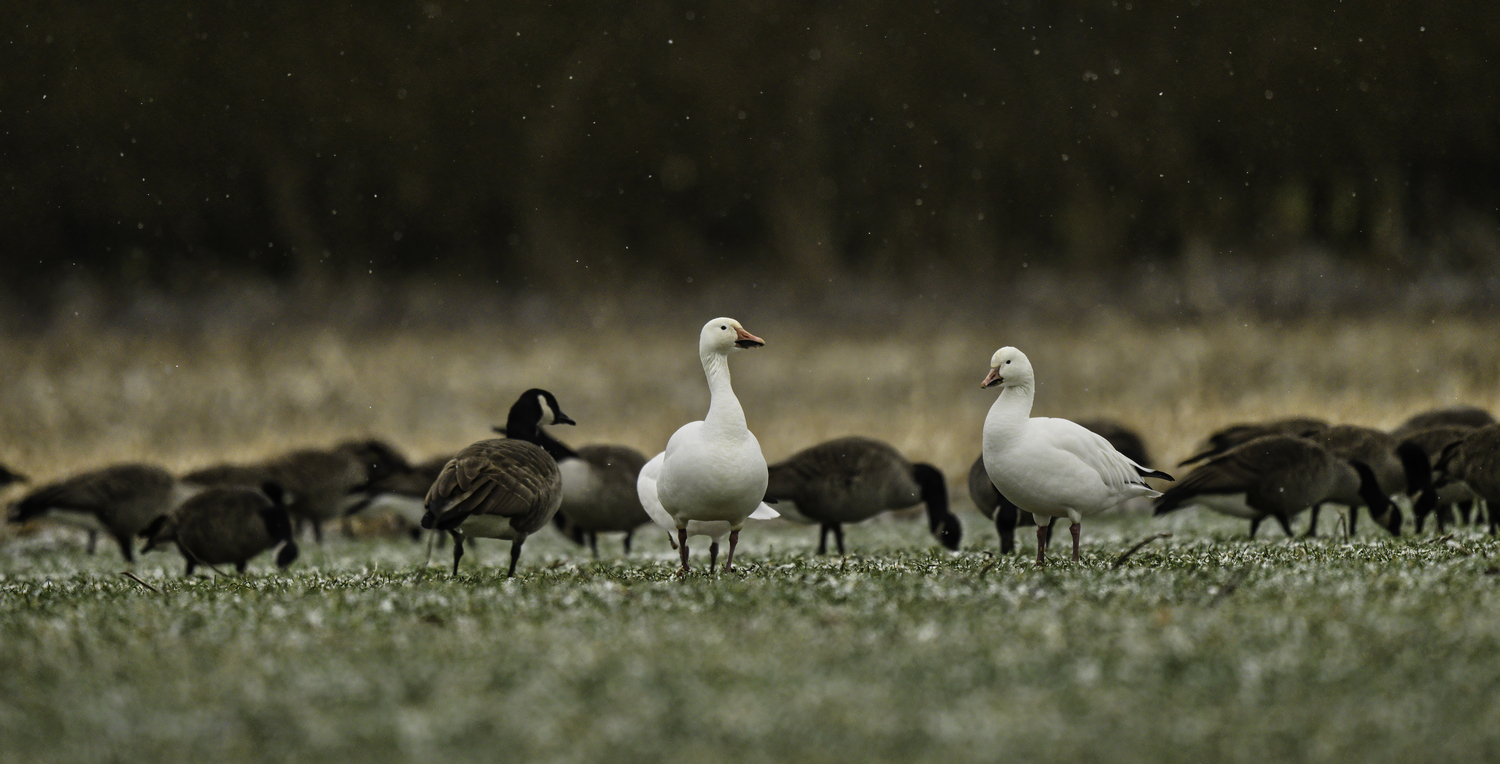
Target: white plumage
pixel 1051 467
pixel 712 476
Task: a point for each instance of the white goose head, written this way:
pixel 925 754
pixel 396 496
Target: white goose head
pixel 1009 368
pixel 723 336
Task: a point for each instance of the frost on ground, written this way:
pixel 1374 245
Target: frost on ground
pixel 1204 646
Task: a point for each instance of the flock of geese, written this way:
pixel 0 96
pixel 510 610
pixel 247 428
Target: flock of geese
pixel 712 479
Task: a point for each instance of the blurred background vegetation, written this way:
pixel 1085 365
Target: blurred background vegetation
pixel 1282 153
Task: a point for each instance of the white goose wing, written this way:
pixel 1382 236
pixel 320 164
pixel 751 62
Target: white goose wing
pixel 645 487
pixel 1119 474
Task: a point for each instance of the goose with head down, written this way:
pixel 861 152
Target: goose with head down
pixel 1051 467
pixel 712 470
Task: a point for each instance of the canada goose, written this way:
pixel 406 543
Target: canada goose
pixel 848 480
pixel 1396 466
pixel 226 525
pixel 1433 441
pixel 599 491
pixel 9 477
pixel 402 493
pixel 1475 460
pixel 1277 476
pixel 1459 416
pixel 378 458
pixel 1229 437
pixel 1051 467
pixel 318 483
pixel 504 488
pixel 1006 515
pixel 712 470
pixel 118 500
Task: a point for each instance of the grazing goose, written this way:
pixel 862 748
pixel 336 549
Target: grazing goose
pixel 1234 435
pixel 402 494
pixel 1051 467
pixel 119 500
pixel 1276 476
pixel 1458 416
pixel 318 483
pixel 226 525
pixel 501 489
pixel 848 480
pixel 1475 460
pixel 1433 441
pixel 599 491
pixel 1396 465
pixel 378 458
pixel 712 470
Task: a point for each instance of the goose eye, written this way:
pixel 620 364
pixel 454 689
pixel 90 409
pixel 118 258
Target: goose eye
pixel 1007 363
pixel 723 328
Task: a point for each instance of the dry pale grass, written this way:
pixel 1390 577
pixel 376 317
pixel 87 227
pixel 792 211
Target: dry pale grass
pixel 83 397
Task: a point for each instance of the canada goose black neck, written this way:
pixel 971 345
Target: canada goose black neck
pixel 534 408
pixel 941 522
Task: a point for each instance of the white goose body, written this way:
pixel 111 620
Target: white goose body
pixel 712 470
pixel 1051 467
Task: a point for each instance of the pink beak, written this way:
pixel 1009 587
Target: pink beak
pixel 744 339
pixel 992 379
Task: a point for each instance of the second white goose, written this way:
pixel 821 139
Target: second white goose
pixel 1051 467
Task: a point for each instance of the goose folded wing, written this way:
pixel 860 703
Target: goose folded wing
pixel 1113 467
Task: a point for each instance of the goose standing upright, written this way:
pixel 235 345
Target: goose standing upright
pixel 1051 467
pixel 502 488
pixel 712 470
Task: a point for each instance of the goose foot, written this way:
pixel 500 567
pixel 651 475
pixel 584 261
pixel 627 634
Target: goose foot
pixel 734 539
pixel 682 547
pixel 1042 532
pixel 713 555
pixel 1075 527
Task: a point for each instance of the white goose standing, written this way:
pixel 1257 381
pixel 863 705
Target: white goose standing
pixel 1051 467
pixel 712 471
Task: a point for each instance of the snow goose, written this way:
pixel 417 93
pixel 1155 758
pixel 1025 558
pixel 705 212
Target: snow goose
pixel 848 480
pixel 712 470
pixel 988 500
pixel 1276 476
pixel 1475 460
pixel 1397 466
pixel 1233 435
pixel 118 500
pixel 1051 467
pixel 226 525
pixel 503 488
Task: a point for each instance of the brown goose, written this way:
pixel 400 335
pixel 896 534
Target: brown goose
pixel 1399 467
pixel 503 489
pixel 848 480
pixel 1458 416
pixel 119 500
pixel 226 525
pixel 1278 476
pixel 402 493
pixel 1433 441
pixel 1475 460
pixel 1234 435
pixel 318 483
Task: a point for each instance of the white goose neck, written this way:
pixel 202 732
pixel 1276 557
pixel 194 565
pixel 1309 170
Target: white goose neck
pixel 723 407
pixel 1011 409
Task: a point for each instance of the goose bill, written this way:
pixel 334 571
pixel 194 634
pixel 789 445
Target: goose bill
pixel 744 339
pixel 992 379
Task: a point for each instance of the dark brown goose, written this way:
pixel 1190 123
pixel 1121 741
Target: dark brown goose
pixel 318 483
pixel 1475 460
pixel 402 494
pixel 119 500
pixel 503 489
pixel 226 525
pixel 9 477
pixel 1471 417
pixel 849 480
pixel 378 458
pixel 1399 467
pixel 1234 435
pixel 1433 441
pixel 1278 476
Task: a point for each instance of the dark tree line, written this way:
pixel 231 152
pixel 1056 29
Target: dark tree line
pixel 171 141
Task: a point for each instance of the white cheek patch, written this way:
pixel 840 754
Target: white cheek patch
pixel 548 415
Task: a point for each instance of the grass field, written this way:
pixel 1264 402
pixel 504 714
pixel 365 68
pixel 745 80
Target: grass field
pixel 1201 647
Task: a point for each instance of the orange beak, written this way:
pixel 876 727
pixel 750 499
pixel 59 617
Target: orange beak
pixel 992 379
pixel 744 339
